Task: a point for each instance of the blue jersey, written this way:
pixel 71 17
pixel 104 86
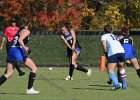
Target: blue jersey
pixel 128 47
pixel 16 53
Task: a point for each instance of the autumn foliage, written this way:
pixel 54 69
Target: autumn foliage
pixel 82 14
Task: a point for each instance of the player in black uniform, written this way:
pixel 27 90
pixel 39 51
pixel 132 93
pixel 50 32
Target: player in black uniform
pixel 17 52
pixel 73 50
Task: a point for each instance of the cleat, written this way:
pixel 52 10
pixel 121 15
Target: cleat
pixel 68 78
pixel 116 87
pixel 124 88
pixel 32 91
pixel 120 84
pixel 21 73
pixel 89 73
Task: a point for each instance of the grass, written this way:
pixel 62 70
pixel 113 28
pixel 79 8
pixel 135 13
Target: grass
pixel 52 86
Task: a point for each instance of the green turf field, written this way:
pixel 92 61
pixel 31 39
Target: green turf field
pixel 52 86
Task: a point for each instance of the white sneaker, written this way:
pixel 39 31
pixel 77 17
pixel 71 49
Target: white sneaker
pixel 89 73
pixel 120 84
pixel 68 78
pixel 32 91
pixel 115 88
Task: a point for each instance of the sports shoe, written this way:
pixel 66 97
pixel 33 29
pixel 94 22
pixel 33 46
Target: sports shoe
pixel 113 88
pixel 32 91
pixel 21 73
pixel 120 84
pixel 89 73
pixel 68 78
pixel 116 87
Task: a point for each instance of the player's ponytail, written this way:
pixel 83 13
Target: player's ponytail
pixel 125 31
pixel 24 21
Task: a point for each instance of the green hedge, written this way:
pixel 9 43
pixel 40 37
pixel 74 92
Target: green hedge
pixel 49 50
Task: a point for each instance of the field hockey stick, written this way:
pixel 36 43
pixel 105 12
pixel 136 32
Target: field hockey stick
pixel 29 51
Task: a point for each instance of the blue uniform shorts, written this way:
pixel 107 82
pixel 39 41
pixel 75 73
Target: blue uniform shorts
pixel 77 49
pixel 129 51
pixel 16 54
pixel 119 57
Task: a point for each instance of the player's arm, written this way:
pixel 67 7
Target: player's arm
pixel 104 45
pixel 105 48
pixel 23 35
pixel 65 42
pixel 132 40
pixel 74 39
pixel 2 43
pixel 3 39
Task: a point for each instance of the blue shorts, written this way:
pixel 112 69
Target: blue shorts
pixel 129 51
pixel 77 49
pixel 16 54
pixel 119 57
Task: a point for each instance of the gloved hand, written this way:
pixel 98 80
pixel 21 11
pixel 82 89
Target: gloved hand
pixel 106 54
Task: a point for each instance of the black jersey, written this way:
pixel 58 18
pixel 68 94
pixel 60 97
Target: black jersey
pixel 69 39
pixel 126 40
pixel 16 38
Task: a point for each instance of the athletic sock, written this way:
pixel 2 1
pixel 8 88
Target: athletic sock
pixel 17 67
pixel 31 80
pixel 124 85
pixel 123 78
pixel 80 68
pixel 114 79
pixel 138 72
pixel 2 79
pixel 71 69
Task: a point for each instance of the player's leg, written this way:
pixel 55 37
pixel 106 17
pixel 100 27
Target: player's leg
pixel 121 64
pixel 135 64
pixel 122 74
pixel 21 73
pixel 9 72
pixel 109 81
pixel 112 76
pixel 118 75
pixel 79 67
pixel 31 65
pixel 71 69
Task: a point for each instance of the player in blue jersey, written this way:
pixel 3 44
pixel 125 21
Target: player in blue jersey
pixel 73 50
pixel 127 42
pixel 115 56
pixel 17 52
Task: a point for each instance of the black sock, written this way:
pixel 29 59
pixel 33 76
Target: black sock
pixel 119 76
pixel 80 68
pixel 31 80
pixel 2 79
pixel 17 67
pixel 71 69
pixel 138 72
